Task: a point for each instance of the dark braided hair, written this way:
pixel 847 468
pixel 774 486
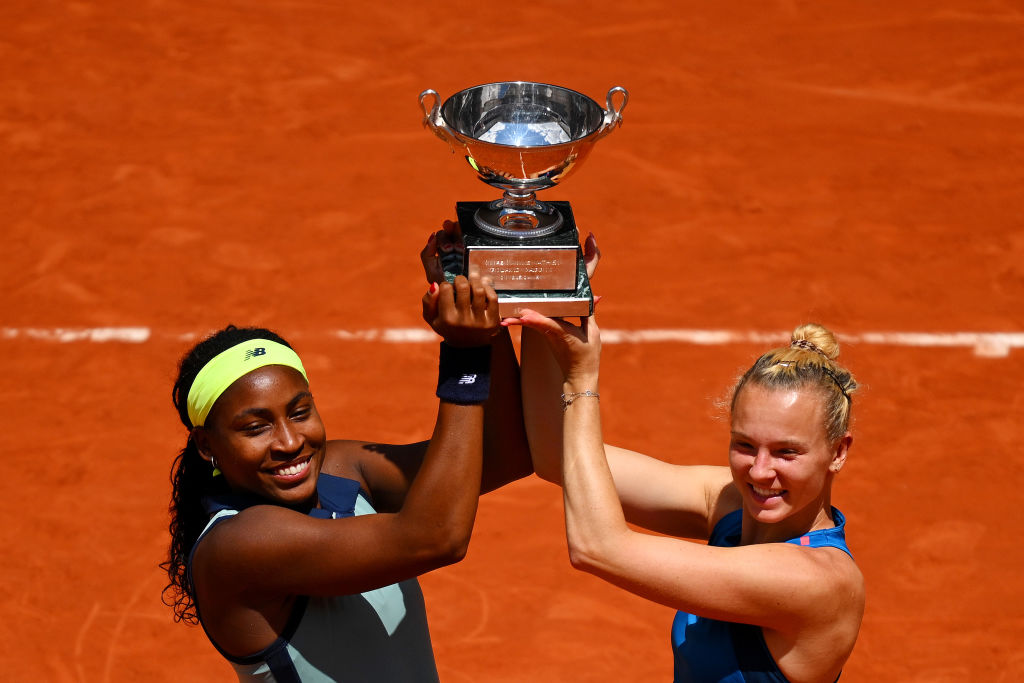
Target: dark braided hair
pixel 191 475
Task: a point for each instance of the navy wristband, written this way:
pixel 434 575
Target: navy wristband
pixel 464 374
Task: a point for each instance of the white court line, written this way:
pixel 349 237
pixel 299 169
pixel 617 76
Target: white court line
pixel 985 344
pixel 131 335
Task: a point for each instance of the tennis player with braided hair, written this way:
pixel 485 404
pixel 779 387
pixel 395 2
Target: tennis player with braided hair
pixel 774 595
pixel 298 554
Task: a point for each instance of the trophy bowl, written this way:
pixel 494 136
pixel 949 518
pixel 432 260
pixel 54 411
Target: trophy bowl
pixel 521 137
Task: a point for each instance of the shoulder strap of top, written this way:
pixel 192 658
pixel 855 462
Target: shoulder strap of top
pixel 726 533
pixel 833 537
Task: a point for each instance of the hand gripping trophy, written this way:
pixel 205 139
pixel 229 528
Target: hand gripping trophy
pixel 522 137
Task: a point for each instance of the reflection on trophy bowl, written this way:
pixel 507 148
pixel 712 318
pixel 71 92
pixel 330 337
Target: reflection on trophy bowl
pixel 522 137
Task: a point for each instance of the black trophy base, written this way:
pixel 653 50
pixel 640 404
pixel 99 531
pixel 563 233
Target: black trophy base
pixel 545 274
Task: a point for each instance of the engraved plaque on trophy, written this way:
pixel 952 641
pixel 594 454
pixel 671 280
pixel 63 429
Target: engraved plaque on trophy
pixel 522 137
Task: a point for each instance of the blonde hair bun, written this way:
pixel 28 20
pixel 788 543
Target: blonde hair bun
pixel 817 338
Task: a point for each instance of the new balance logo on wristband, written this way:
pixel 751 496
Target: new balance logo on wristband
pixel 463 374
pixel 258 351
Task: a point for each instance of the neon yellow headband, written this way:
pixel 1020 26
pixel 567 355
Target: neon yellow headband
pixel 227 366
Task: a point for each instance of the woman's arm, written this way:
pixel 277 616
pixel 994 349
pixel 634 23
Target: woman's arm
pixel 506 452
pixel 390 469
pixel 660 496
pixel 778 586
pixel 270 550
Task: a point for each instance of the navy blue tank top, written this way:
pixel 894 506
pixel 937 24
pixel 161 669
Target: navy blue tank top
pixel 712 651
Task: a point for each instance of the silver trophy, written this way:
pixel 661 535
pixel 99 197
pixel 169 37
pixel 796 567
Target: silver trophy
pixel 523 137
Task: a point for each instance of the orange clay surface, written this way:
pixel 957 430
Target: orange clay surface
pixel 179 165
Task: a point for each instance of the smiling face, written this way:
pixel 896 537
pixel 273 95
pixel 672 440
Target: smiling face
pixel 781 459
pixel 266 436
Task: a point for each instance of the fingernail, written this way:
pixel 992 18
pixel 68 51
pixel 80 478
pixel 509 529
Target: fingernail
pixel 433 287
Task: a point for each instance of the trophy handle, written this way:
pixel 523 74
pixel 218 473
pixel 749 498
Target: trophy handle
pixel 432 117
pixel 613 114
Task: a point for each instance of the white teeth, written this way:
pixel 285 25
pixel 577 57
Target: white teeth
pixel 766 492
pixel 292 469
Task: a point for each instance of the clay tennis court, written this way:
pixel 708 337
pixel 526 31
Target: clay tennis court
pixel 169 167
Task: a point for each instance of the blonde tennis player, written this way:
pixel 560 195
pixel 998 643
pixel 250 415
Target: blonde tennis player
pixel 774 595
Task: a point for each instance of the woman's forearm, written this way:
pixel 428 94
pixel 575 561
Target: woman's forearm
pixel 441 504
pixel 506 451
pixel 541 381
pixel 594 519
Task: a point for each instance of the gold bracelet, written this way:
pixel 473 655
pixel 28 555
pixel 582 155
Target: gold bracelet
pixel 567 399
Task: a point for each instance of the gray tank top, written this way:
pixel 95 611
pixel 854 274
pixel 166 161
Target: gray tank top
pixel 380 635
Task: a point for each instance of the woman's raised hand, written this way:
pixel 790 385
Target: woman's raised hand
pixel 442 252
pixel 591 254
pixel 577 348
pixel 464 313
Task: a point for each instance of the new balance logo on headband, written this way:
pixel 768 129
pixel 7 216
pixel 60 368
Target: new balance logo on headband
pixel 258 351
pixel 467 379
